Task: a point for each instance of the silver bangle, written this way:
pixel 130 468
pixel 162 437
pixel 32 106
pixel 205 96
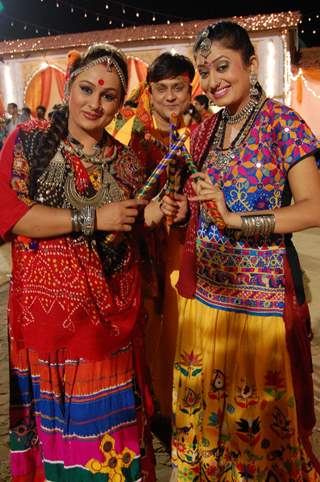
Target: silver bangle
pixel 87 217
pixel 257 225
pixel 75 223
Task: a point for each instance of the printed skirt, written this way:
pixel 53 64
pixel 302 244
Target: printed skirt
pixel 77 420
pixel 235 416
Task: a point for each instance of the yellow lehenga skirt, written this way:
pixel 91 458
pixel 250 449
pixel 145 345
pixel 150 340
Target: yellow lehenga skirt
pixel 233 401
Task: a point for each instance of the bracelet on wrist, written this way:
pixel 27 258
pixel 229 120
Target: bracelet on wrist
pixel 257 225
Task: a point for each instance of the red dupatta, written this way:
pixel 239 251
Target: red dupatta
pixel 200 140
pixel 59 296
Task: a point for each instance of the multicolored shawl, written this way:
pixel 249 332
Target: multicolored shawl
pixel 63 293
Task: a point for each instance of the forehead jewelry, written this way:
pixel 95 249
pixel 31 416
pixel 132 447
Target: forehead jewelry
pixel 205 44
pixel 109 61
pixel 101 82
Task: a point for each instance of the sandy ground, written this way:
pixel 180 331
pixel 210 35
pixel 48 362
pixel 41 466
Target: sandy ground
pixel 307 243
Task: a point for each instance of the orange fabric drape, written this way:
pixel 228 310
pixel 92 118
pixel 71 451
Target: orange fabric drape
pixel 196 87
pixel 137 70
pixel 33 95
pixel 2 109
pixel 60 81
pixel 310 75
pixel 299 89
pixel 39 90
pixel 46 81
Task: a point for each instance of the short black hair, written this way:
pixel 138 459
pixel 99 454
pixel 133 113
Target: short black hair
pixel 26 110
pixel 13 104
pixel 42 107
pixel 203 100
pixel 169 65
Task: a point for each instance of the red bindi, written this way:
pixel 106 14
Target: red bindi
pixel 101 82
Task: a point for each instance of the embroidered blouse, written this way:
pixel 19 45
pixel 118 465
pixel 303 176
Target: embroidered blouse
pixel 245 274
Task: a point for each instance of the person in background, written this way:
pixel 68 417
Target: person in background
pixel 14 118
pixel 243 398
pixel 41 112
pixel 79 398
pixel 201 103
pixel 191 117
pixel 2 130
pixel 25 114
pixel 167 91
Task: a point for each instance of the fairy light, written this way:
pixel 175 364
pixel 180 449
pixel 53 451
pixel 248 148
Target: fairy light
pixel 294 78
pixel 287 70
pixel 270 88
pixel 166 31
pixel 8 84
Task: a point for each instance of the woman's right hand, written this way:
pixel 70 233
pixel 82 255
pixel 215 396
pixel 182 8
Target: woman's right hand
pixel 118 216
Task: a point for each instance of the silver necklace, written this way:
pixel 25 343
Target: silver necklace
pixel 242 114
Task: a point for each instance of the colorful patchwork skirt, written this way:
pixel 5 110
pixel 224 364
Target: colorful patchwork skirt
pixel 77 420
pixel 235 413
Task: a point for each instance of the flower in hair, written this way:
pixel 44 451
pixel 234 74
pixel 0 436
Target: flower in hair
pixel 72 57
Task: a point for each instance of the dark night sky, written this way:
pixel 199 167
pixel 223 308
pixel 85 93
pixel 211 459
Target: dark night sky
pixel 31 18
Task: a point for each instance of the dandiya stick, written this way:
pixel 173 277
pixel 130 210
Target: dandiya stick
pixel 210 205
pixel 172 169
pixel 154 176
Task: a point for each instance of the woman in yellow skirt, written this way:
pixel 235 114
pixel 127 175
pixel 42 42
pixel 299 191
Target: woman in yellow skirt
pixel 243 399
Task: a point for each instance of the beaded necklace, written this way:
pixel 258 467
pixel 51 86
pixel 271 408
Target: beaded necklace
pixel 73 146
pixel 219 157
pixel 242 114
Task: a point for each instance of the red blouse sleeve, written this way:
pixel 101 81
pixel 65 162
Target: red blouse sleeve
pixel 11 207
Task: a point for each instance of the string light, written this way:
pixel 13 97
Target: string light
pixel 280 22
pixel 125 9
pixel 270 69
pixel 305 83
pixel 27 25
